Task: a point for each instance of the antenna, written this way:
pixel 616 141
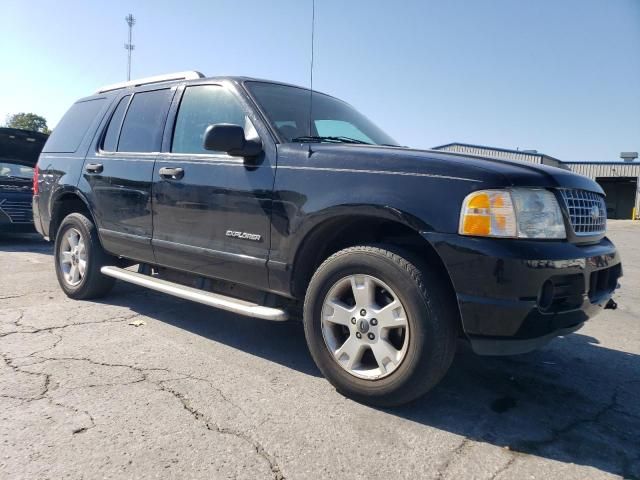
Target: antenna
pixel 131 21
pixel 313 22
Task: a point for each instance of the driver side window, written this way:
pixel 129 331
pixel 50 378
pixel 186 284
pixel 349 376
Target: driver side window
pixel 201 106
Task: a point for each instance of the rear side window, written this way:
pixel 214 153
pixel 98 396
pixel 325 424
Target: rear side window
pixel 110 142
pixel 71 129
pixel 142 127
pixel 201 106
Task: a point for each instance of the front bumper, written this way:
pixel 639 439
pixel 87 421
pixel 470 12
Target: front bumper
pixel 516 295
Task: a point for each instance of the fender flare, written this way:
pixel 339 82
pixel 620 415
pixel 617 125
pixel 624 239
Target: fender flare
pixel 304 237
pixel 57 196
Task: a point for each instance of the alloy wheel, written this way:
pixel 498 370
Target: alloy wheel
pixel 365 327
pixel 72 257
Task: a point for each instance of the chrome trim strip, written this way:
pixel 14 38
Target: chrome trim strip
pixel 47 155
pixel 214 156
pixel 222 302
pixel 217 254
pixel 140 239
pixel 383 172
pixel 204 161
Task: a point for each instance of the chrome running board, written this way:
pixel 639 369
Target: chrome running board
pixel 223 302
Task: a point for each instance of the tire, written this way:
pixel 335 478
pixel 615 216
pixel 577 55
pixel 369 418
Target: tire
pixel 90 283
pixel 422 350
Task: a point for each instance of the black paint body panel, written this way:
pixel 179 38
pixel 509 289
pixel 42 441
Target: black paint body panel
pixel 498 282
pixel 120 197
pixel 217 193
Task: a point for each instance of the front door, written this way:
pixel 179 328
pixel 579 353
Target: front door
pixel 119 172
pixel 211 210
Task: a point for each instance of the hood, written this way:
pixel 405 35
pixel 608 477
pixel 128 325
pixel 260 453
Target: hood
pixel 21 146
pixel 491 172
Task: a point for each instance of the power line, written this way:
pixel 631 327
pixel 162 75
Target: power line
pixel 131 21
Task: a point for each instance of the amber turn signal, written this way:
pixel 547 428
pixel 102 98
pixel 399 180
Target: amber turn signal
pixel 488 213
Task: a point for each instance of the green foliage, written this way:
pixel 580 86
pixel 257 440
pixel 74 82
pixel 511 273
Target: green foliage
pixel 28 121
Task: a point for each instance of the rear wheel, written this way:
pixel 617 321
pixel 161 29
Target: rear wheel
pixel 79 258
pixel 381 328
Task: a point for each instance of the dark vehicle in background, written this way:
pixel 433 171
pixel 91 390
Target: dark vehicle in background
pixel 271 201
pixel 19 150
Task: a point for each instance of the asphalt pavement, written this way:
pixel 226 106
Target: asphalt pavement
pixel 141 385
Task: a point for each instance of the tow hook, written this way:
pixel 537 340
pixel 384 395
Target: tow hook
pixel 611 305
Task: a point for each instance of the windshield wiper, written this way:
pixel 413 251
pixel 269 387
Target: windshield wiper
pixel 319 139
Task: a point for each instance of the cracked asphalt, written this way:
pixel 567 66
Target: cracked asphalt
pixel 199 393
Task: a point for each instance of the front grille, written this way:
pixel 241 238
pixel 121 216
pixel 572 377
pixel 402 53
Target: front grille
pixel 587 211
pixel 19 211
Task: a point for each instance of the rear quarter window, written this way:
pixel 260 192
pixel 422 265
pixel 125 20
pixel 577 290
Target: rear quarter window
pixel 110 142
pixel 71 129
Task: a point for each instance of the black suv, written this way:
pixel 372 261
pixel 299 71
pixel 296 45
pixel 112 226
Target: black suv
pixel 271 201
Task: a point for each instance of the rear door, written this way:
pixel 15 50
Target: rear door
pixel 213 217
pixel 119 172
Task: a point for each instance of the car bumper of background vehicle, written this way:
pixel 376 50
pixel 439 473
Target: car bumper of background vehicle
pixel 516 295
pixel 8 227
pixel 15 217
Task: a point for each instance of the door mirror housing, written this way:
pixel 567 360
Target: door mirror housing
pixel 230 138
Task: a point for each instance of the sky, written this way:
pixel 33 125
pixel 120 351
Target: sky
pixel 558 76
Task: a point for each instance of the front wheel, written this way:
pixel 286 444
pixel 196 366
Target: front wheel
pixel 79 258
pixel 379 325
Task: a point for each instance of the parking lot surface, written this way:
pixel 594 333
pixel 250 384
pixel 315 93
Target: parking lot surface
pixel 141 385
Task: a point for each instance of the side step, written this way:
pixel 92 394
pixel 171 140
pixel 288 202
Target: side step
pixel 188 293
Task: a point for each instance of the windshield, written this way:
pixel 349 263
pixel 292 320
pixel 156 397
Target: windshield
pixel 287 108
pixel 11 170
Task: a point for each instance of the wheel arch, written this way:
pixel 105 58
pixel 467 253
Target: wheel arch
pixel 345 227
pixel 64 203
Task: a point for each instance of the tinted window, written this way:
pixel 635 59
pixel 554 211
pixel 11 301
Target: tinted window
pixel 339 128
pixel 110 142
pixel 288 110
pixel 142 127
pixel 70 131
pixel 200 107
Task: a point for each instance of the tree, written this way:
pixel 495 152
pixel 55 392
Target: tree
pixel 28 121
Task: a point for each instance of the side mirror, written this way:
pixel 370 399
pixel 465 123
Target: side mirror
pixel 229 138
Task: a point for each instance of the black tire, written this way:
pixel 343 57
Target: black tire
pixel 93 283
pixel 431 314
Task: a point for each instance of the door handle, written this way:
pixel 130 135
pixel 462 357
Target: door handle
pixel 94 168
pixel 172 173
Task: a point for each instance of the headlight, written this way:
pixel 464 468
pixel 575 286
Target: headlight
pixel 514 213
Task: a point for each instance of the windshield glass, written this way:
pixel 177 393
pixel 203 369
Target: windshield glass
pixel 287 108
pixel 11 170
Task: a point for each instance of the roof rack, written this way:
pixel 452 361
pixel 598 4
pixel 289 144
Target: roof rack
pixel 168 77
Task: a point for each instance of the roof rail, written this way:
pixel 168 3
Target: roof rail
pixel 168 77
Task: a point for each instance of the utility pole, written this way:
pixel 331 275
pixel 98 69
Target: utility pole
pixel 131 21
